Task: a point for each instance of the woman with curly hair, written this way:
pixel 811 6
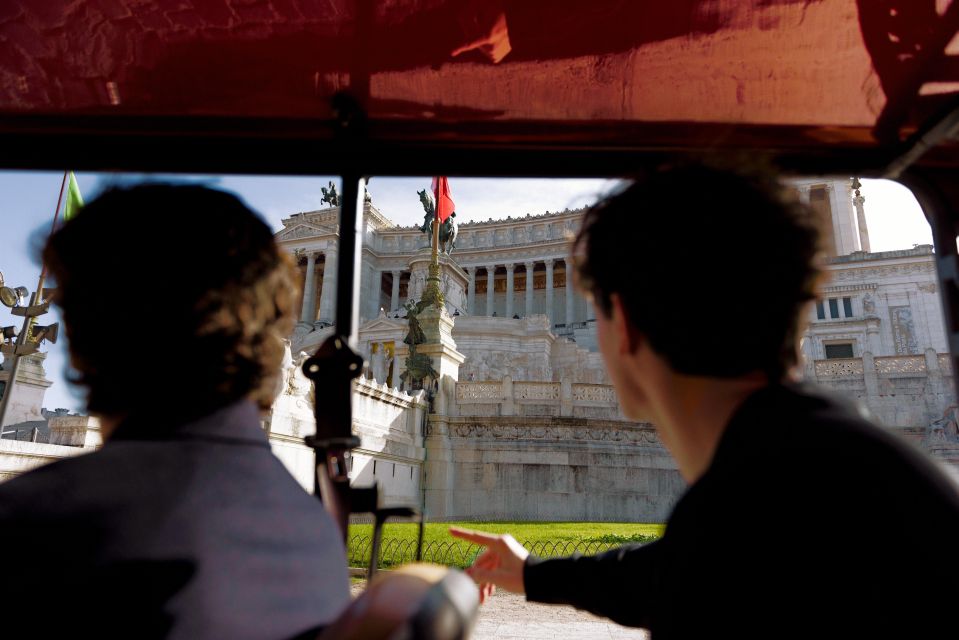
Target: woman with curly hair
pixel 176 302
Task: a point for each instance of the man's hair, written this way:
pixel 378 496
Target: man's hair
pixel 175 299
pixel 712 265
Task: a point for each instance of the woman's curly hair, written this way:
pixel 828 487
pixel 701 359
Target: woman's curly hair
pixel 175 300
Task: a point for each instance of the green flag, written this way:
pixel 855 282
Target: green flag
pixel 74 199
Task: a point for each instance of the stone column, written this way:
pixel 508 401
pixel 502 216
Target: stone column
pixel 309 290
pixel 375 286
pixel 395 294
pixel 569 292
pixel 932 362
pixel 808 357
pixel 529 288
pixel 471 295
pixel 328 294
pixel 397 372
pixel 870 377
pixel 590 312
pixel 835 243
pixel 565 397
pixel 509 290
pixel 873 342
pixel 490 287
pixel 858 201
pixel 549 290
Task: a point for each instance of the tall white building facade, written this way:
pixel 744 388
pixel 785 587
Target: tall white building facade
pixel 532 420
pixel 877 332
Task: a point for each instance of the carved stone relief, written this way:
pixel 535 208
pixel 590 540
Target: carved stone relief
pixel 899 364
pixel 839 368
pixel 593 393
pixel 536 391
pixel 479 391
pixel 551 432
pixel 903 330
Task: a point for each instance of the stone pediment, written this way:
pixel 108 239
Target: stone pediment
pixel 302 230
pixel 383 325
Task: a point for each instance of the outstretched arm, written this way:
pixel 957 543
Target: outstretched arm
pixel 621 584
pixel 500 565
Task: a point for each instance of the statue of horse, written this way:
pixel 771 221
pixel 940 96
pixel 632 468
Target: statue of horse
pixel 330 196
pixel 448 233
pixel 448 230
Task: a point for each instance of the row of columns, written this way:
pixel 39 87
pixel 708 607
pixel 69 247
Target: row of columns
pixel 308 312
pixel 328 290
pixel 510 268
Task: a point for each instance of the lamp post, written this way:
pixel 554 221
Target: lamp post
pixel 13 298
pixel 29 337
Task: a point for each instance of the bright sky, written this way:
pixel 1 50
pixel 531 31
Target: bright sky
pixel 893 215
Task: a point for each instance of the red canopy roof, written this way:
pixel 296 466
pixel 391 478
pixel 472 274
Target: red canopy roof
pixel 632 73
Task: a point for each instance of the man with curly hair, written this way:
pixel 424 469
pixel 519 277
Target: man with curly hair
pixel 176 302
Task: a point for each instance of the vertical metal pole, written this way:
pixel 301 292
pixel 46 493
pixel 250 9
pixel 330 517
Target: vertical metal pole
pixel 348 268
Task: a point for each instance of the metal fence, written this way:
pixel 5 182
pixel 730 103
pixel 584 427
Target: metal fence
pixel 454 553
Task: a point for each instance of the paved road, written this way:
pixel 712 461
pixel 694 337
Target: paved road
pixel 509 617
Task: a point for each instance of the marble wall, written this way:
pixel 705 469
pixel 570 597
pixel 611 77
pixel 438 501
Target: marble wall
pixel 901 392
pixel 548 469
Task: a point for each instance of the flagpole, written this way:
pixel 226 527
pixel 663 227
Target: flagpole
pixel 28 320
pixel 53 228
pixel 432 294
pixel 436 234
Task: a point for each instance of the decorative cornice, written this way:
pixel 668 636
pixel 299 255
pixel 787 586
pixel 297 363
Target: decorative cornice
pixel 918 251
pixel 332 213
pixel 849 288
pixel 385 394
pixel 390 457
pixel 508 220
pixel 626 433
pixel 303 230
pixel 885 270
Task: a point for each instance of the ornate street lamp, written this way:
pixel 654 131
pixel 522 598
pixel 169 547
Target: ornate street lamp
pixel 28 338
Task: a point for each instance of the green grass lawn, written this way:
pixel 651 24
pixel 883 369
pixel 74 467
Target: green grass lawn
pixel 541 538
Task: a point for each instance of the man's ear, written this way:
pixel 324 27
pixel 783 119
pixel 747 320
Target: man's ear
pixel 629 337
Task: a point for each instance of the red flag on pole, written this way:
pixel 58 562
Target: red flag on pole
pixel 443 197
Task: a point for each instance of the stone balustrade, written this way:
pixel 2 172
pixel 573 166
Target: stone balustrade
pixel 890 365
pixel 839 367
pixel 509 398
pixel 884 366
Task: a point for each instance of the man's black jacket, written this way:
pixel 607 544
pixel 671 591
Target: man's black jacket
pixel 810 522
pixel 184 531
